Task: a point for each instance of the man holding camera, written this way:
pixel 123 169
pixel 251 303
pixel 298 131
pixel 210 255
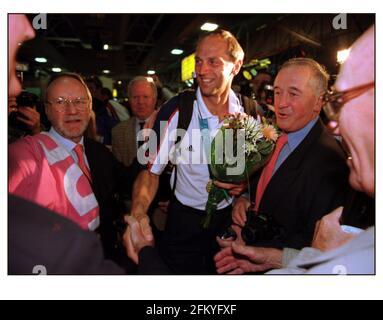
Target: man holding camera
pixel 68 173
pixel 307 175
pixel 23 118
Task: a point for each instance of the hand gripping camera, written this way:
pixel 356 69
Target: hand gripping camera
pixel 259 227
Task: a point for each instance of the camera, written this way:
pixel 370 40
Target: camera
pixel 26 99
pixel 259 227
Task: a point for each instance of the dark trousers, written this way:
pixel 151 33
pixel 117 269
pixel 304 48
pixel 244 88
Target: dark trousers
pixel 185 246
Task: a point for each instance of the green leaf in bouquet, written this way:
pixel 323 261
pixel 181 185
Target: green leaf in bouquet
pixel 265 147
pixel 255 157
pixel 216 195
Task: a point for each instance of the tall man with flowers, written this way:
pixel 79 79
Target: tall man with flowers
pixel 186 246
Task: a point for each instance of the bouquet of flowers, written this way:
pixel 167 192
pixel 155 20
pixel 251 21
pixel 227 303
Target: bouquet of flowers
pixel 242 146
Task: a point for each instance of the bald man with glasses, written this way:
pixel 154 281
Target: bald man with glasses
pixel 66 172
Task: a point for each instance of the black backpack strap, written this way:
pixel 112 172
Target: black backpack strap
pixel 185 101
pixel 185 112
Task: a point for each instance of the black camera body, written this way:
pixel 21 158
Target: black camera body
pixel 259 227
pixel 26 99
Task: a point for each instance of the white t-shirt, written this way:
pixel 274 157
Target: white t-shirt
pixel 192 177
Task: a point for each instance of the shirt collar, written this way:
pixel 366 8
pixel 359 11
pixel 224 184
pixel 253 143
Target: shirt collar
pixel 296 137
pixel 234 105
pixel 145 120
pixel 64 142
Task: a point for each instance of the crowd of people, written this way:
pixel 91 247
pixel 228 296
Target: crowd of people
pixel 80 195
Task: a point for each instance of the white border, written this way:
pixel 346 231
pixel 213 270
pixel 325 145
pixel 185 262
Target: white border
pixel 193 287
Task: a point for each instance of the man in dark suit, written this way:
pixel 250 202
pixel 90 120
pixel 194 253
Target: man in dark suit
pixel 74 176
pixel 110 179
pixel 42 242
pixel 39 240
pixel 336 247
pixel 142 93
pixel 127 137
pixel 310 174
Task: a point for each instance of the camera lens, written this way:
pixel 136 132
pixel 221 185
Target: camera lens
pixel 248 235
pixel 229 233
pixel 26 99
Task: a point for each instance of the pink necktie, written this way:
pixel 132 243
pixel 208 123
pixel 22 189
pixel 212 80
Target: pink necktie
pixel 267 171
pixel 79 150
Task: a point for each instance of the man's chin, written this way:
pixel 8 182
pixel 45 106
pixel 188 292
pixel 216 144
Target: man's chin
pixel 207 93
pixel 73 135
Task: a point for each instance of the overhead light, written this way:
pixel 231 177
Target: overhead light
pixel 151 72
pixel 342 55
pixel 55 69
pixel 119 82
pixel 177 51
pixel 106 71
pixel 41 59
pixel 209 26
pixel 187 67
pixel 106 46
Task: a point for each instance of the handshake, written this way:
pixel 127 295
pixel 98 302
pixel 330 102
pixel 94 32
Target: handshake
pixel 137 236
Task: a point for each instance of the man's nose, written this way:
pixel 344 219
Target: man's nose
pixel 141 100
pixel 282 101
pixel 70 108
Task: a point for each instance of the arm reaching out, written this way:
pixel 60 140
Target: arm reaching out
pixel 144 190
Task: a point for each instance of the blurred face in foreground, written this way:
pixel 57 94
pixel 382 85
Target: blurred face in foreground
pixel 19 30
pixel 356 118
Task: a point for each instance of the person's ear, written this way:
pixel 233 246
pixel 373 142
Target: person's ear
pixel 319 103
pixel 237 67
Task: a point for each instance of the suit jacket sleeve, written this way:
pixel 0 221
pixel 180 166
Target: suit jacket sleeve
pixel 150 262
pixel 39 237
pixel 312 182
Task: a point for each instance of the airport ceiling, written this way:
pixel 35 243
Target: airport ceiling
pixel 139 42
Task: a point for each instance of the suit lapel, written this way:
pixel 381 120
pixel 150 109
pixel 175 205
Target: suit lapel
pixel 130 140
pixel 93 164
pixel 291 167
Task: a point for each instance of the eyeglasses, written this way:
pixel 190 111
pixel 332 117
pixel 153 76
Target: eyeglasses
pixel 334 101
pixel 81 104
